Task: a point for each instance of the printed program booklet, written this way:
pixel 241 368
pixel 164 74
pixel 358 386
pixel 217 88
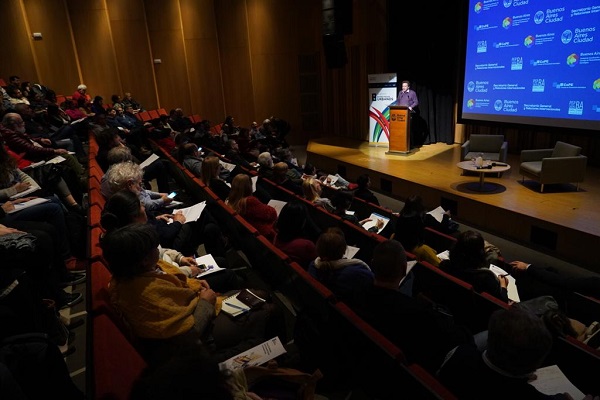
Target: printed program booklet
pixel 257 355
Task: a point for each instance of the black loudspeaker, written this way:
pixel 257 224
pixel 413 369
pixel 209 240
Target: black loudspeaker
pixel 335 51
pixel 337 17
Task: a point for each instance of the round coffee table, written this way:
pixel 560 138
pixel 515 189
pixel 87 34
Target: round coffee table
pixel 488 168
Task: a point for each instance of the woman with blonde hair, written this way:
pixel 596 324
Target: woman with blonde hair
pixel 261 216
pixel 210 174
pixel 312 192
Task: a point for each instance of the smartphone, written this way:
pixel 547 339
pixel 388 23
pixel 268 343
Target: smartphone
pixel 199 149
pixel 172 195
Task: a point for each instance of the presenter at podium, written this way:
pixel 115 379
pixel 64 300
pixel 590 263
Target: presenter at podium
pixel 407 97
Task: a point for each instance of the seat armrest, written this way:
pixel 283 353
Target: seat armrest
pixel 464 149
pixel 535 155
pixel 567 169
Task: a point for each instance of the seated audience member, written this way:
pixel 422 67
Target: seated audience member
pixel 128 100
pixel 211 176
pixel 311 187
pixel 422 332
pixel 34 247
pixel 410 228
pixel 342 201
pixel 107 139
pixel 50 212
pixel 189 156
pixel 178 121
pixel 39 128
pixel 282 178
pixel 261 216
pixel 363 190
pixel 535 280
pixel 37 149
pixel 97 106
pixel 81 98
pixel 467 262
pixel 124 208
pixel 285 155
pixel 296 233
pixel 344 277
pixel 13 181
pixel 416 207
pixel 116 101
pixel 164 313
pixel 247 146
pixel 234 155
pixel 265 162
pixel 130 175
pixel 518 343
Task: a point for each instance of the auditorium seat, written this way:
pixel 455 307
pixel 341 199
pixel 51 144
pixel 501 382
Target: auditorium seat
pixel 115 362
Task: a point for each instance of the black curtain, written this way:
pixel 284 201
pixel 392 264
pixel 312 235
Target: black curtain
pixel 429 64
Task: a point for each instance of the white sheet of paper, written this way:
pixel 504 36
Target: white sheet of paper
pixel 351 251
pixel 27 204
pixel 192 213
pixel 277 205
pixel 55 160
pixel 438 213
pixel 153 157
pixel 444 255
pixel 513 294
pixel 254 179
pixel 211 265
pixel 228 166
pixel 31 189
pixel 373 222
pixel 551 380
pixel 257 355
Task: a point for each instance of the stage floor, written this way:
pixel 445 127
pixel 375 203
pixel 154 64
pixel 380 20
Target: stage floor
pixel 561 220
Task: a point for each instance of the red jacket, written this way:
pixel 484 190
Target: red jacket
pixel 23 145
pixel 261 216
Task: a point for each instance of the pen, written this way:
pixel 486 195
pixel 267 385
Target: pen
pixel 234 306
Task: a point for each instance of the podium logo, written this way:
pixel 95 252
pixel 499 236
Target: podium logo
pixel 395 117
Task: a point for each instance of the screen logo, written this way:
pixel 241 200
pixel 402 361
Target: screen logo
pixel 478 7
pixel 529 41
pixel 538 18
pixel 507 22
pixel 572 60
pixel 596 85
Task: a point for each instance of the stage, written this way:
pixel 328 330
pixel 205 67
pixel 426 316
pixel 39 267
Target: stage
pixel 561 222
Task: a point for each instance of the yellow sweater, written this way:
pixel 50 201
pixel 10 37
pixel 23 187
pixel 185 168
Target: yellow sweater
pixel 155 305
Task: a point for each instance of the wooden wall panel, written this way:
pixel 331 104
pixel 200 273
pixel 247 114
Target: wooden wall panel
pixel 166 43
pixel 273 37
pixel 232 32
pixel 203 59
pixel 55 56
pixel 132 51
pixel 17 56
pixel 94 46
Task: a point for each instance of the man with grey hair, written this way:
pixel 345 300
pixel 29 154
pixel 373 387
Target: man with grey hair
pixel 265 161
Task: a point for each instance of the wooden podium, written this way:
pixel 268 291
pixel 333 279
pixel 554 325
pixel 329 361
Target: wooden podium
pixel 399 130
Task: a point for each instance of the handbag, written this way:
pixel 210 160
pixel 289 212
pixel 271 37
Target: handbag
pixel 47 175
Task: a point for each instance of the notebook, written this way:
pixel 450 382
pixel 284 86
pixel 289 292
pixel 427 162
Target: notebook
pixel 241 302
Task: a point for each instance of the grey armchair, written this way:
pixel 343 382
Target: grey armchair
pixel 562 164
pixel 493 147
